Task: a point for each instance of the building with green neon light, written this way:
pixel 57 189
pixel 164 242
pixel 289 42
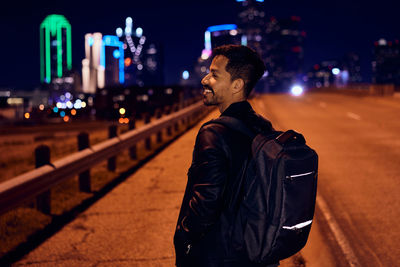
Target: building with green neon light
pixel 55 48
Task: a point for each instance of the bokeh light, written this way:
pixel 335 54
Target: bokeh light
pixel 185 75
pixel 296 90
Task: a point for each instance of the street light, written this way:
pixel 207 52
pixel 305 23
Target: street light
pixel 297 90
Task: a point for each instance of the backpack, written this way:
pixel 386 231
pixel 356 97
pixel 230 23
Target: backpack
pixel 279 189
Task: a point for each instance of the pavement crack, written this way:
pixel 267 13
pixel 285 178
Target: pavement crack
pixel 134 260
pixel 110 213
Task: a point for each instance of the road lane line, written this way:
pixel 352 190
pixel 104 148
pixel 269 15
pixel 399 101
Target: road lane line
pixel 353 116
pixel 338 233
pixel 322 104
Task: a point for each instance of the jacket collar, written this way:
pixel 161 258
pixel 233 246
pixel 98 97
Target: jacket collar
pixel 238 110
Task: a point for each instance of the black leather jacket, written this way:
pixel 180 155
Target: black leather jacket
pixel 208 231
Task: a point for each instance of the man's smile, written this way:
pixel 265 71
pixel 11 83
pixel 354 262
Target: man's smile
pixel 207 90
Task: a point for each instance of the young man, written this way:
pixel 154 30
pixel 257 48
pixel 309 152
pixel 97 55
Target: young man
pixel 209 229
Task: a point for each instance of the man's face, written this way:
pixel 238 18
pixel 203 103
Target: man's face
pixel 217 83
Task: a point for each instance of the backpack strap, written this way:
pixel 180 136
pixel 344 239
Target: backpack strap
pixel 234 124
pixel 290 135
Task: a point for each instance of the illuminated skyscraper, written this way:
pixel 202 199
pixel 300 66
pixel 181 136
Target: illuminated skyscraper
pixel 284 53
pixel 112 60
pixel 278 41
pixel 214 36
pixel 386 62
pixel 92 71
pixel 142 59
pixel 220 35
pixel 55 48
pixel 252 22
pixel 351 63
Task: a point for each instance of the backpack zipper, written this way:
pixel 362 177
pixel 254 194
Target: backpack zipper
pixel 298 175
pixel 297 226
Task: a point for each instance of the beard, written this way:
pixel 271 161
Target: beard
pixel 209 98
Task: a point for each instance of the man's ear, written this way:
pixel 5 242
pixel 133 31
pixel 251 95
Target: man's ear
pixel 238 86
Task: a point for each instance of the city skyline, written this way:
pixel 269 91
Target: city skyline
pixel 331 31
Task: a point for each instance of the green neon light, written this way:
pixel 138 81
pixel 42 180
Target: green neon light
pixel 59 51
pixel 41 56
pixel 48 59
pixel 53 26
pixel 69 47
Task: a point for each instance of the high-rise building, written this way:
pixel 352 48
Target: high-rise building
pixel 112 60
pixel 104 62
pixel 214 36
pixel 55 48
pixel 323 74
pixel 92 71
pixel 220 35
pixel 278 41
pixel 284 53
pixel 252 23
pixel 386 62
pixel 351 64
pixel 143 60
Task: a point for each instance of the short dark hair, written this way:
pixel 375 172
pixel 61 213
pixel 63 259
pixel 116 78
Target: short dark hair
pixel 243 63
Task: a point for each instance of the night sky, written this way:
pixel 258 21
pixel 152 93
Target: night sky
pixel 333 28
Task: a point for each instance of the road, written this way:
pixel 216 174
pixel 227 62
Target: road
pixel 357 139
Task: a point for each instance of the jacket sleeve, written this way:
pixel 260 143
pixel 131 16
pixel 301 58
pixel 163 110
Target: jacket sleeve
pixel 210 172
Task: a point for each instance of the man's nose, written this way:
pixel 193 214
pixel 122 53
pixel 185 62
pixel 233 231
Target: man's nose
pixel 204 80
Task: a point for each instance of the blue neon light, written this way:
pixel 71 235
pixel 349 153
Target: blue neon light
pixel 91 41
pixel 223 27
pixel 112 40
pixel 55 109
pixel 116 53
pixel 261 1
pixel 244 40
pixel 62 113
pixel 240 0
pixel 207 40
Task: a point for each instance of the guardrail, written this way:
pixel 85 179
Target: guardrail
pixel 360 89
pixel 38 182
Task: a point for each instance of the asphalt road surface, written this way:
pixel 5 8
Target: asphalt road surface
pixel 357 139
pixel 358 142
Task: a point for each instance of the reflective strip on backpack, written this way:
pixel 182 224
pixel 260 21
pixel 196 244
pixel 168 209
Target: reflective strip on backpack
pixel 297 226
pixel 298 175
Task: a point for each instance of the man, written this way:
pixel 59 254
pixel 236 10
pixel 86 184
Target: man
pixel 209 232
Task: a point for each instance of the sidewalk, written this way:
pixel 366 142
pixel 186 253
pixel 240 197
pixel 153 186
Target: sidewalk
pixel 134 224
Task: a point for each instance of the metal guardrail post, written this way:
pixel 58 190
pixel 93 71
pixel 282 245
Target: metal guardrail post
pixel 42 157
pixel 37 183
pixel 132 149
pixel 159 134
pixel 147 119
pixel 84 177
pixel 112 162
pixel 167 112
pixel 176 125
